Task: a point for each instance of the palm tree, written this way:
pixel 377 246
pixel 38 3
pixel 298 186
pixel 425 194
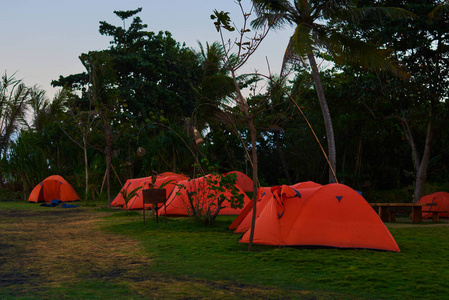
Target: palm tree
pixel 14 97
pixel 316 28
pixel 215 86
pixel 40 109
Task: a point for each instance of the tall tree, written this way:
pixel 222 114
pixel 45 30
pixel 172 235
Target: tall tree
pixel 143 77
pixel 215 92
pixel 315 30
pixel 248 108
pixel 102 94
pixel 14 97
pixel 83 122
pixel 419 103
pixel 155 74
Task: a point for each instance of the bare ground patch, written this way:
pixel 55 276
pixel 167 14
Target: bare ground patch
pixel 44 250
pixel 48 248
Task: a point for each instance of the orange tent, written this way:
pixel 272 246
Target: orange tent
pixel 53 188
pixel 137 201
pixel 442 201
pixel 243 181
pixel 243 222
pixel 129 185
pixel 333 215
pixel 178 203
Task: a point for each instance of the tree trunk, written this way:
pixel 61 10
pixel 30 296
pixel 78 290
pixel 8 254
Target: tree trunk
pixel 1 171
pixel 253 132
pixel 358 160
pixel 332 152
pixel 282 158
pixel 411 142
pixel 243 106
pixel 421 169
pixel 108 153
pixel 86 165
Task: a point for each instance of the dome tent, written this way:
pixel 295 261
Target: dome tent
pixel 53 188
pixel 137 201
pixel 333 215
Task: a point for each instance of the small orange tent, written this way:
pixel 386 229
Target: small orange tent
pixel 137 201
pixel 442 201
pixel 178 203
pixel 53 188
pixel 333 215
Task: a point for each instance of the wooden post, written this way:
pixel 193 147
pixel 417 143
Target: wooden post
pixel 154 196
pixel 416 214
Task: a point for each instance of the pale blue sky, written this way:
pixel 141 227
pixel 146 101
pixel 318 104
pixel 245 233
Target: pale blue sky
pixel 42 39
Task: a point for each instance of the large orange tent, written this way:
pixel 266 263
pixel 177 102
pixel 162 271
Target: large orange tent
pixel 442 201
pixel 333 215
pixel 53 188
pixel 178 204
pixel 137 201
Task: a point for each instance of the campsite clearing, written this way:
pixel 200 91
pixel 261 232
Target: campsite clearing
pixel 63 253
pixel 88 253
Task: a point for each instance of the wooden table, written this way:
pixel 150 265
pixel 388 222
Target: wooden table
pixel 384 210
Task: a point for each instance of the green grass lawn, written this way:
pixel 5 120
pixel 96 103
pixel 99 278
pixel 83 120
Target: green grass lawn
pixel 191 255
pixel 184 249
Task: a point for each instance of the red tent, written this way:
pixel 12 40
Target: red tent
pixel 333 215
pixel 53 188
pixel 442 201
pixel 178 203
pixel 137 201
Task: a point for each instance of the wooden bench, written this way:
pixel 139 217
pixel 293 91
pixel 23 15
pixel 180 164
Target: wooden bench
pixel 385 208
pixel 435 214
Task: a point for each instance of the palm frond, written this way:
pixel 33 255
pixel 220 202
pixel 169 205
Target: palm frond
pixel 13 113
pixel 346 49
pixel 439 11
pixel 275 13
pixel 302 40
pixel 352 13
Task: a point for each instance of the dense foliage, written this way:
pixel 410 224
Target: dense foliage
pixel 148 90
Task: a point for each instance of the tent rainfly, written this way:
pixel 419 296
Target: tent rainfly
pixel 53 188
pixel 333 215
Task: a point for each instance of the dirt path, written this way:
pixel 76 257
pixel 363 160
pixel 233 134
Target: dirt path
pixel 62 245
pixel 42 251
